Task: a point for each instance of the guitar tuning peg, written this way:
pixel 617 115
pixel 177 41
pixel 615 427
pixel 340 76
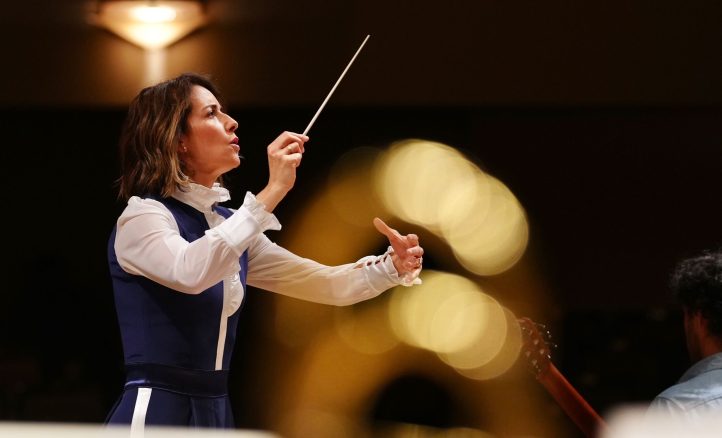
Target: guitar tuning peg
pixel 542 328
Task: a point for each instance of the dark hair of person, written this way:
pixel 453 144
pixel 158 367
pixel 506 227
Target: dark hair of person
pixel 697 284
pixel 150 138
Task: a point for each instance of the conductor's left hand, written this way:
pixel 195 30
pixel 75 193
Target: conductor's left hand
pixel 407 256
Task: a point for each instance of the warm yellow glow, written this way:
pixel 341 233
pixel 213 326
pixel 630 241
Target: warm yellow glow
pixel 365 326
pixel 503 359
pixel 348 188
pixel 417 179
pixel 151 36
pixel 335 226
pixel 155 61
pixel 458 321
pixel 435 186
pixel 407 430
pixel 153 13
pixel 446 314
pixel 152 25
pixel 297 322
pixel 495 233
pixel 486 344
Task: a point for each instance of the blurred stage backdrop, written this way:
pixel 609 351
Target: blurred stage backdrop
pixel 556 159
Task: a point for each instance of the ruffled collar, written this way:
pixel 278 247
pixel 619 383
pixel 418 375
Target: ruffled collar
pixel 201 197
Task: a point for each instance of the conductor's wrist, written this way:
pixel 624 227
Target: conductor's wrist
pixel 271 195
pixel 278 188
pixel 397 263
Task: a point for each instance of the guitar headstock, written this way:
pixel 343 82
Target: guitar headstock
pixel 537 345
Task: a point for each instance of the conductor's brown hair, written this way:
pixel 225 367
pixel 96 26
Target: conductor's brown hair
pixel 149 142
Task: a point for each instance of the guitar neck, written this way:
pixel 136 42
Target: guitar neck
pixel 573 404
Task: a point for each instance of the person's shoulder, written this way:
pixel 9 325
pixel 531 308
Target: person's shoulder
pixel 138 206
pixel 702 390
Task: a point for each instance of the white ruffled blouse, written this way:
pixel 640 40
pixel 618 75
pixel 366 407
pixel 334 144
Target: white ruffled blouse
pixel 148 243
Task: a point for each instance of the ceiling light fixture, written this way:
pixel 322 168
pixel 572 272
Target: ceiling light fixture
pixel 151 24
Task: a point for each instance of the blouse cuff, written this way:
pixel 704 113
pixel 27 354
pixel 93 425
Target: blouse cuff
pixel 266 220
pixel 407 278
pixel 381 272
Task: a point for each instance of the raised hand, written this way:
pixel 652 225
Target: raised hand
pixel 284 156
pixel 408 255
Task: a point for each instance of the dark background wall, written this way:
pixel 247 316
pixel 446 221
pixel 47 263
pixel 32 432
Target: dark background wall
pixel 603 119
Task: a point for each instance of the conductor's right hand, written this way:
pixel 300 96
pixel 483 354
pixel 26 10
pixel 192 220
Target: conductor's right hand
pixel 284 156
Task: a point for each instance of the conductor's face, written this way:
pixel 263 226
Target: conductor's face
pixel 209 147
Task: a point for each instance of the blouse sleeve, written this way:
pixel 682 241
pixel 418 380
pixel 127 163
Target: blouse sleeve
pixel 149 243
pixel 276 269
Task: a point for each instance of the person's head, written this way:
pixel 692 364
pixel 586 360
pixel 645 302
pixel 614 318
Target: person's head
pixel 176 132
pixel 697 284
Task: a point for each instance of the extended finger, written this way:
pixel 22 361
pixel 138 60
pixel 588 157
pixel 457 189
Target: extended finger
pixel 387 231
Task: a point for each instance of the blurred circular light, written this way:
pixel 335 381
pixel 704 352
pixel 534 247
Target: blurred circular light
pixel 494 237
pixel 505 358
pixel 487 343
pixel 435 186
pixel 446 314
pixel 365 327
pixel 458 321
pixel 415 177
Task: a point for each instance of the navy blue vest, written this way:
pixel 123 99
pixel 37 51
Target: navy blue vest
pixel 162 326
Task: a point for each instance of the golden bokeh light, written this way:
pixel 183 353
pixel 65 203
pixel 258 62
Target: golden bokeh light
pixel 466 203
pixel 486 344
pixel 349 190
pixel 495 234
pixel 445 314
pixel 311 422
pixel 407 430
pixel 435 186
pixel 336 224
pixel 466 213
pixel 296 322
pixel 416 178
pixel 394 177
pixel 458 321
pixel 365 326
pixel 504 359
